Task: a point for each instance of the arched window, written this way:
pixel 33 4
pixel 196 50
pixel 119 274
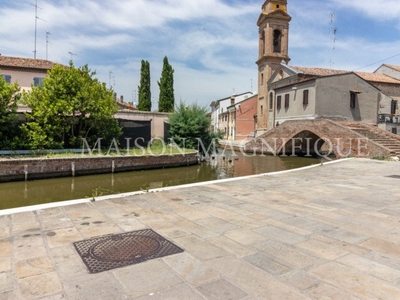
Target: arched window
pixel 262 43
pixel 277 40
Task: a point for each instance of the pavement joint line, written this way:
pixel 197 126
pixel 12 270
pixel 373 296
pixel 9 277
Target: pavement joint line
pixel 31 208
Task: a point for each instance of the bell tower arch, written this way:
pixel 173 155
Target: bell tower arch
pixel 273 29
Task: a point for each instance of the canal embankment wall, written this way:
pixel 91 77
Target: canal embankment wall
pixel 41 168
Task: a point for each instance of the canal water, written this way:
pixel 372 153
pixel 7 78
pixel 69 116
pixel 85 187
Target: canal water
pixel 18 194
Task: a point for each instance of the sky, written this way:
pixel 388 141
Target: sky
pixel 212 45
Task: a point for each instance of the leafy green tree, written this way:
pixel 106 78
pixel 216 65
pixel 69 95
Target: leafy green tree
pixel 189 126
pixel 9 129
pixel 144 88
pixel 70 105
pixel 166 100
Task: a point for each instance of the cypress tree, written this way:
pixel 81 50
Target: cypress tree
pixel 166 101
pixel 144 88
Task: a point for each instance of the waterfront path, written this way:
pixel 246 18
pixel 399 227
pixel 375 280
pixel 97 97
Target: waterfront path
pixel 327 232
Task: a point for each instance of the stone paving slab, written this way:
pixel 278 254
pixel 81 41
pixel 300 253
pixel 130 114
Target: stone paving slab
pixel 328 232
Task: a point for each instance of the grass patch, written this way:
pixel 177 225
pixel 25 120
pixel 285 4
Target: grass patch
pixel 155 149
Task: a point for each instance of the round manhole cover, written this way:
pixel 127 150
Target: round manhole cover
pixel 125 248
pixel 114 251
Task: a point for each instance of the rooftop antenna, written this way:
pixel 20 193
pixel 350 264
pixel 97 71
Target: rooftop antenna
pixel 47 44
pixel 334 31
pixel 72 54
pixel 111 79
pixel 36 18
pixel 110 76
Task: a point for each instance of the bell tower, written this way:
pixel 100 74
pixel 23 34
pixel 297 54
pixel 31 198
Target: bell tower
pixel 273 25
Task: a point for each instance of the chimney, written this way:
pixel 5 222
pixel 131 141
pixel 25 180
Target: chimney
pixel 232 100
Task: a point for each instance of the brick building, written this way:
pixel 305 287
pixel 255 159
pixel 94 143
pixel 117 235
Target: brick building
pixel 219 110
pixel 242 119
pixel 234 116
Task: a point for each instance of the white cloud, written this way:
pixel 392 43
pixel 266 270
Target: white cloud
pixel 365 36
pixel 211 44
pixel 378 10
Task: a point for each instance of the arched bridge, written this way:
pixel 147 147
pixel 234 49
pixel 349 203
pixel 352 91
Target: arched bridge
pixel 325 137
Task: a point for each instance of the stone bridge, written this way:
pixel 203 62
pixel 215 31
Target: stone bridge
pixel 325 137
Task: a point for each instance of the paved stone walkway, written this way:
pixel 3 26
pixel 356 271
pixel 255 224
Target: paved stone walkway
pixel 330 232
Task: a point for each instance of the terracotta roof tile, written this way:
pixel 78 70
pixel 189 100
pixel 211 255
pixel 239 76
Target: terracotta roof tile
pixel 319 71
pixel 30 63
pixel 371 77
pixel 375 77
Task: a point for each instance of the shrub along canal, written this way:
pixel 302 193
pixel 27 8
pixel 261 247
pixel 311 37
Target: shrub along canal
pixel 24 193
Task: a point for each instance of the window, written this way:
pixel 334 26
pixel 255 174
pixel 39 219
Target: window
pixel 277 40
pixel 393 107
pixel 38 81
pixel 353 97
pixel 271 100
pixel 305 97
pixel 262 110
pixel 278 102
pixel 262 41
pixel 7 78
pixel 262 78
pixel 286 100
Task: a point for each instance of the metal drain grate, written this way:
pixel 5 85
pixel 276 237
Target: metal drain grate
pixel 114 251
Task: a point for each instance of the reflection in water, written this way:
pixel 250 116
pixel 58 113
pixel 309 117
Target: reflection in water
pixel 17 194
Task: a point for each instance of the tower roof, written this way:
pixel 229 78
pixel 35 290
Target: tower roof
pixel 270 6
pixel 274 8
